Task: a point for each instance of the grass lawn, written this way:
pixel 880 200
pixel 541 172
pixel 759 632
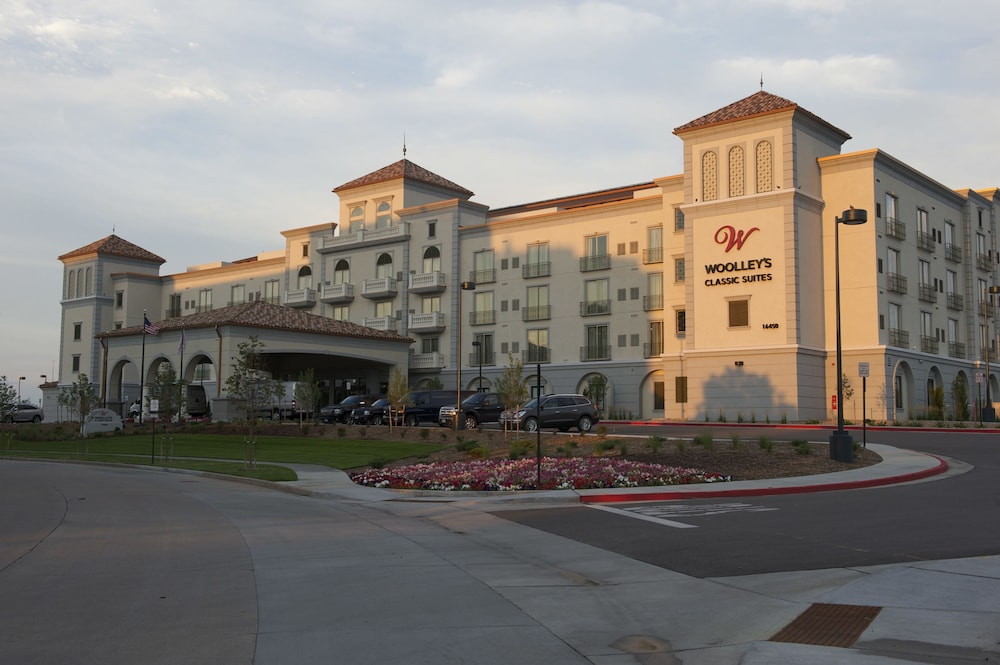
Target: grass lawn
pixel 225 453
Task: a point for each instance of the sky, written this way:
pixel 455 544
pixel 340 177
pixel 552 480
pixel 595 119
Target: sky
pixel 200 130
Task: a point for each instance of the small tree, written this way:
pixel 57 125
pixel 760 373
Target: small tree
pixel 960 395
pixel 165 389
pixel 398 394
pixel 597 388
pixel 307 393
pixel 434 384
pixel 936 408
pixel 249 383
pixel 8 394
pixel 848 390
pixel 79 398
pixel 512 387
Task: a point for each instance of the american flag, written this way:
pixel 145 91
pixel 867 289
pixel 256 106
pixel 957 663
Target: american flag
pixel 180 347
pixel 149 328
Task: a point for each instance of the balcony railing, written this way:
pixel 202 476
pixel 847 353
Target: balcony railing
pixel 597 352
pixel 485 358
pixel 428 282
pixel 925 241
pixel 956 301
pixel 386 323
pixel 536 354
pixel 652 349
pixel 928 293
pixel 598 262
pixel 541 269
pixel 652 255
pixel 337 293
pixel 536 313
pixel 595 307
pixel 983 262
pixel 379 288
pixel 427 360
pixel 486 317
pixel 172 313
pixel 896 282
pixel 953 252
pixel 929 344
pixel 208 308
pixel 899 338
pixel 956 350
pixel 894 228
pixel 652 302
pixel 426 322
pixel 300 298
pixel 400 231
pixel 988 309
pixel 485 276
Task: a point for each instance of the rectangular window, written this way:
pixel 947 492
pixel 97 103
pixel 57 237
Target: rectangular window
pixel 655 339
pixel 484 270
pixel 633 339
pixel 204 300
pixel 237 294
pixel 271 293
pixel 383 309
pixel 633 293
pixel 537 264
pixel 739 313
pixel 432 228
pixel 503 264
pixel 679 269
pixel 680 317
pixel 341 313
pixel 430 344
pixel 174 306
pixel 633 247
pixel 654 243
pixel 621 249
pixel 597 246
pixel 658 402
pixel 598 343
pixel 484 311
pixel 680 389
pixel 597 300
pixel 76 364
pixel 77 332
pixel 622 293
pixel 622 340
pixel 538 346
pixel 119 299
pixel 305 250
pixel 678 219
pixel 538 303
pixel 430 304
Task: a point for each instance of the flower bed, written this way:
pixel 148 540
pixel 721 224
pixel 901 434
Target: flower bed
pixel 510 475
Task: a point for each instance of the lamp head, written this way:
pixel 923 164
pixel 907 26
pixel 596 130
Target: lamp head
pixel 853 216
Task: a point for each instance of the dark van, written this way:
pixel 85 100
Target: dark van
pixel 427 403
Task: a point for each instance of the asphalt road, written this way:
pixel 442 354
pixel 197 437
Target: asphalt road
pixel 943 518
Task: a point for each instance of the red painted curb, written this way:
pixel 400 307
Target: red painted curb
pixel 659 495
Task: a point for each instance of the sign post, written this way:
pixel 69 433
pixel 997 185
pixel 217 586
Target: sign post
pixel 863 371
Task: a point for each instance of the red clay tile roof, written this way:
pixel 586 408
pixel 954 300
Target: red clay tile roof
pixel 757 104
pixel 115 246
pixel 261 314
pixel 406 169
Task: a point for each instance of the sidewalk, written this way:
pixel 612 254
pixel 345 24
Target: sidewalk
pixel 942 612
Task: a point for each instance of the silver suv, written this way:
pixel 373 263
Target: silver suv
pixel 558 411
pixel 22 413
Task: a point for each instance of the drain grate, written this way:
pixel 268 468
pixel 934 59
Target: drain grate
pixel 828 625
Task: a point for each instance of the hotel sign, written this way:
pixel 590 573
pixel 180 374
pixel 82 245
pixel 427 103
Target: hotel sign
pixel 742 271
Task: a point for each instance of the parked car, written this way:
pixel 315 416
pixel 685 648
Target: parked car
pixel 22 413
pixel 558 411
pixel 478 409
pixel 427 404
pixel 341 412
pixel 376 413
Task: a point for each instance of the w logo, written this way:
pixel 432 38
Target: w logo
pixel 730 237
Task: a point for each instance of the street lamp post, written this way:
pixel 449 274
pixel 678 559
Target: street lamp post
pixel 841 445
pixel 19 380
pixel 479 357
pixel 459 421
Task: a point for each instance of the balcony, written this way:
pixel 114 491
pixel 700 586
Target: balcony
pixel 484 276
pixel 983 262
pixel 987 309
pixel 207 307
pixel 591 263
pixel 300 298
pixel 899 338
pixel 537 354
pixel 652 302
pixel 537 313
pixel 486 317
pixel 597 352
pixel 541 269
pixel 337 293
pixel 487 359
pixel 381 288
pixel 365 237
pixel 652 349
pixel 956 301
pixel 652 255
pixel 595 307
pixel 956 350
pixel 953 252
pixel 172 313
pixel 925 241
pixel 929 344
pixel 426 322
pixel 384 323
pixel 894 228
pixel 427 360
pixel 428 282
pixel 928 293
pixel 895 282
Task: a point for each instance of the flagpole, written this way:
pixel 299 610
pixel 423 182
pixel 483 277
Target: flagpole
pixel 180 379
pixel 142 365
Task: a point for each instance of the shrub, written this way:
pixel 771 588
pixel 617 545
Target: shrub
pixel 602 431
pixel 802 447
pixel 736 443
pixel 424 433
pixel 653 442
pixel 623 448
pixel 784 418
pixel 378 462
pixel 739 416
pixel 341 432
pixel 706 441
pixel 765 444
pixel 681 445
pixel 722 416
pixel 464 446
pixel 480 452
pixel 605 445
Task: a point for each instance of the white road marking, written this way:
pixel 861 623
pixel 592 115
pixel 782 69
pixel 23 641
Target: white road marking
pixel 659 513
pixel 645 518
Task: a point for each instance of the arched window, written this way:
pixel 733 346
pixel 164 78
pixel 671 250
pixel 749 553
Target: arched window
pixel 88 289
pixel 383 215
pixel 709 176
pixel 765 179
pixel 342 272
pixel 357 219
pixel 305 277
pixel 79 283
pixel 383 266
pixel 737 177
pixel 71 285
pixel 432 260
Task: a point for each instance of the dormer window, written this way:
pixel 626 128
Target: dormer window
pixel 357 222
pixel 383 215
